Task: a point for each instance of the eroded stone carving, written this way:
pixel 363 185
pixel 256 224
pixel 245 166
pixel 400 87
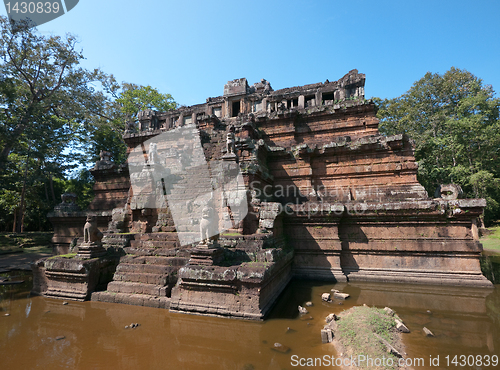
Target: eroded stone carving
pixel 449 192
pixel 131 127
pixel 206 224
pixel 153 154
pixel 230 141
pixel 105 156
pixel 68 203
pixel 68 198
pixel 91 246
pixel 91 233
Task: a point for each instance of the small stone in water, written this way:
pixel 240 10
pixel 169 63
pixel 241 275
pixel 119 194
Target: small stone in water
pixel 280 348
pixel 325 297
pixel 65 303
pixel 429 311
pixel 428 332
pixel 7 314
pixel 309 304
pixel 126 326
pixel 61 337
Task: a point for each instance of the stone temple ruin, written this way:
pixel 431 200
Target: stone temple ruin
pixel 300 185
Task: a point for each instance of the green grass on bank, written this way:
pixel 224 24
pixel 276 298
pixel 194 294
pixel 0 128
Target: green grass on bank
pixel 29 242
pixel 355 333
pixel 492 241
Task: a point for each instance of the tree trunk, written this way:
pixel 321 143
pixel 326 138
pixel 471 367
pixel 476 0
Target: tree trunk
pixel 46 192
pixel 22 205
pixel 51 182
pixel 15 221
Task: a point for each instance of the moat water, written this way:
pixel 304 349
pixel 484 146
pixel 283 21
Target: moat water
pixel 42 333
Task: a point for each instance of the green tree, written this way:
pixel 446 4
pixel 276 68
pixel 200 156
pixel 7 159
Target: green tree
pixel 54 116
pixel 454 120
pixel 45 97
pixel 41 84
pixel 105 130
pixel 134 98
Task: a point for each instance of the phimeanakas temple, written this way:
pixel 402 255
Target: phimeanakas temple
pixel 317 193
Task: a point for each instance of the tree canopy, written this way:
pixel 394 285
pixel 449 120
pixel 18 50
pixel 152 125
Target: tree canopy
pixel 454 120
pixel 55 116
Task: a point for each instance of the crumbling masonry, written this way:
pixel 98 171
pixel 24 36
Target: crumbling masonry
pixel 328 198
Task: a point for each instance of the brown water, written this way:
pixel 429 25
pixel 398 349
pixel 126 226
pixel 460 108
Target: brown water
pixel 465 322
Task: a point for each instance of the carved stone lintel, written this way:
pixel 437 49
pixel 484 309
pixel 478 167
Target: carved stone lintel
pixel 449 192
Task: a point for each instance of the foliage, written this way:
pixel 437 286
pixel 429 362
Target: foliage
pixel 356 328
pixel 32 242
pixel 492 241
pixel 454 121
pixel 134 98
pixel 104 131
pixel 54 117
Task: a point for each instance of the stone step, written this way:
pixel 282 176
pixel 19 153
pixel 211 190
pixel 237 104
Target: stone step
pixel 154 260
pixel 139 288
pixel 133 299
pixel 167 236
pixel 184 252
pixel 169 261
pixel 144 268
pixel 146 278
pixel 168 244
pixel 111 240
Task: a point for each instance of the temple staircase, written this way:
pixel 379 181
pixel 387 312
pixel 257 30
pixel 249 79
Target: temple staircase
pixel 146 275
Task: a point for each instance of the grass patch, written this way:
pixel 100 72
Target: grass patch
pixel 30 242
pixel 492 241
pixel 355 333
pixel 232 234
pixel 69 255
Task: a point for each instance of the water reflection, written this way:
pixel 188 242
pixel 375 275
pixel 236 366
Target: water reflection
pixel 84 335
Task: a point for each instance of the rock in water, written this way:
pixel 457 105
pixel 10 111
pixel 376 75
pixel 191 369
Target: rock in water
pixel 340 295
pixel 280 348
pixel 326 335
pixel 61 337
pixel 401 327
pixel 428 332
pixel 325 297
pixel 331 317
pixel 303 310
pixel 389 311
pixel 309 304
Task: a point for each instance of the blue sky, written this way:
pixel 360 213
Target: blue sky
pixel 190 49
